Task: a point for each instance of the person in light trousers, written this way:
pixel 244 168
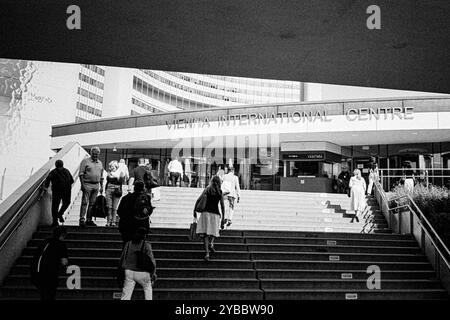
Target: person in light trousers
pixel 133 272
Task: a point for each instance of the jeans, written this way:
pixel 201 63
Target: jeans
pixel 174 177
pixel 56 200
pixel 143 278
pixel 229 207
pixel 112 202
pixel 90 193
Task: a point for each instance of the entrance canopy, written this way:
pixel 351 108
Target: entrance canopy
pixel 344 123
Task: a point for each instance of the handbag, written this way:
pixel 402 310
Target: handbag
pixel 200 205
pixel 100 210
pixel 156 194
pixel 117 191
pixel 144 261
pixel 193 231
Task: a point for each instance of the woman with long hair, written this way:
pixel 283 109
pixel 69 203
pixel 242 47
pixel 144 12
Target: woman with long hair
pixel 211 219
pixel 113 191
pixel 134 271
pixel 358 194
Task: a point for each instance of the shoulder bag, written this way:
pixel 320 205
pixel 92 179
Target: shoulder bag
pixel 144 261
pixel 200 205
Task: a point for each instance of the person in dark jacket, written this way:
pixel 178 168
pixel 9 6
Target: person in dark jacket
pixel 62 181
pixel 211 219
pixel 46 265
pixel 127 222
pixel 343 180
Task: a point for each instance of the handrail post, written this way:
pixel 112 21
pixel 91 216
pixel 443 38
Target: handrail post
pixel 437 262
pixel 411 222
pixel 2 186
pixel 382 180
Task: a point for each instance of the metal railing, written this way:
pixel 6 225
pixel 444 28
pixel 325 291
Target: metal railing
pixel 436 176
pixel 417 225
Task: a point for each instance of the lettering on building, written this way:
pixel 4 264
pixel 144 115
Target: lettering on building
pixel 297 117
pixel 363 114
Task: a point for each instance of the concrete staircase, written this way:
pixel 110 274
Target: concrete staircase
pixel 248 265
pixel 265 210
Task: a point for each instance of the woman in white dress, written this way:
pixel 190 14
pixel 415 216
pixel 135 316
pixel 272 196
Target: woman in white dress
pixel 358 194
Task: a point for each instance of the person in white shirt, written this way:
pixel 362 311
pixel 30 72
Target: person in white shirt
pixel 175 171
pixel 220 173
pixel 123 168
pixel 231 191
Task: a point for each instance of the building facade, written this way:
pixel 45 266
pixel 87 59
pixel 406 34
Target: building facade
pixel 34 95
pixel 287 147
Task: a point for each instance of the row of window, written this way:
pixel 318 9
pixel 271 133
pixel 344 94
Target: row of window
pixel 266 93
pixel 188 89
pixel 90 95
pixel 91 81
pixel 95 68
pixel 84 107
pixel 145 106
pixel 256 82
pixel 157 94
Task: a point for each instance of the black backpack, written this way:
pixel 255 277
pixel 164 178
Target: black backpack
pixel 100 210
pixel 142 207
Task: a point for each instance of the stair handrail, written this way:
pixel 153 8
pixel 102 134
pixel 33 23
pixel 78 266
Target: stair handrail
pixel 8 227
pixel 424 224
pixel 425 227
pixel 13 211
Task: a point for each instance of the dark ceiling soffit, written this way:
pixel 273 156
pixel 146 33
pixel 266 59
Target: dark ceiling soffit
pixel 323 41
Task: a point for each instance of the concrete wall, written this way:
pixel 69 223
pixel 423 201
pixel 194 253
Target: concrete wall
pixel 47 92
pixel 40 210
pixel 332 92
pixel 117 93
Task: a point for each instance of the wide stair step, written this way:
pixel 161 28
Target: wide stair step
pixel 248 265
pixel 265 210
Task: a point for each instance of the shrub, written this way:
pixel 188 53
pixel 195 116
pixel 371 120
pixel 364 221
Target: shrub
pixel 433 201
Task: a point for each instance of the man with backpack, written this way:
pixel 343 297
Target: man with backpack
pixel 134 211
pixel 142 173
pixel 47 262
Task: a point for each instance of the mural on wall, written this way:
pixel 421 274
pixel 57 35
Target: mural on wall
pixel 16 92
pixel 15 77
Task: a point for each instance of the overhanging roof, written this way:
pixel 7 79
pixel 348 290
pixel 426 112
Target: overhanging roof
pixel 429 121
pixel 324 41
pixel 333 107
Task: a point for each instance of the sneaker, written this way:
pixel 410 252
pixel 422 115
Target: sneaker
pixel 82 223
pixel 229 223
pixel 55 223
pixel 91 224
pixel 61 219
